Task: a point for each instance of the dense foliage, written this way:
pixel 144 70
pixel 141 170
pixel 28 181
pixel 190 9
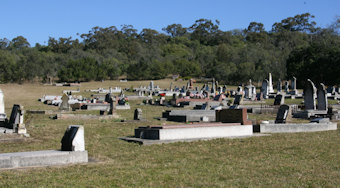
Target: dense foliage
pixel 294 47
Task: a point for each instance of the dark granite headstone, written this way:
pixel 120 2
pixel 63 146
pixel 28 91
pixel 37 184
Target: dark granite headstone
pixel 279 99
pixel 279 86
pixel 309 95
pixel 15 117
pixel 66 141
pixel 233 116
pixel 322 97
pixel 238 99
pixel 282 114
pixel 265 89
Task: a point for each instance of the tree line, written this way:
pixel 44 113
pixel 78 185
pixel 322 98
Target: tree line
pixel 295 46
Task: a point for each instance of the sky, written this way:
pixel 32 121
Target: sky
pixel 37 20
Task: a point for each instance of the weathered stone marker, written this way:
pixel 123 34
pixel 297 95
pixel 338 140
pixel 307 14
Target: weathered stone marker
pixel 138 115
pixel 64 105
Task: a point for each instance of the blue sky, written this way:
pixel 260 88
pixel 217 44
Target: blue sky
pixel 37 20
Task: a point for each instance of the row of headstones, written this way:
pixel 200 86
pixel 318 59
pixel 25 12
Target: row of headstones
pixel 311 93
pixel 267 88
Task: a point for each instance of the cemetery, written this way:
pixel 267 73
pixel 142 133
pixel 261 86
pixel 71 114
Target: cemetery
pixel 167 117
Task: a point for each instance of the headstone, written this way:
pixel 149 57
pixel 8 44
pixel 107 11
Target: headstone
pixel 233 116
pixel 191 83
pixel 293 84
pixel 279 99
pixel 20 128
pixel 15 117
pixel 238 99
pixel 287 87
pixel 331 90
pixel 110 99
pixel 239 89
pixel 73 139
pixel 224 89
pixel 170 89
pixel 279 86
pixel 152 86
pixel 282 114
pixel 270 84
pixel 64 105
pixel 322 97
pixel 264 89
pixel 309 95
pixel 138 115
pixel 2 107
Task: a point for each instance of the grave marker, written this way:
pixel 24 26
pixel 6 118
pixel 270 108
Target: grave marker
pixel 282 114
pixel 279 99
pixel 322 97
pixel 73 139
pixel 309 95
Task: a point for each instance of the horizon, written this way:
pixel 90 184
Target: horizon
pixel 39 20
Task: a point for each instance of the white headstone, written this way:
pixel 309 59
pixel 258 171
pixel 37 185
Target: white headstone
pixel 73 139
pixel 270 84
pixel 2 106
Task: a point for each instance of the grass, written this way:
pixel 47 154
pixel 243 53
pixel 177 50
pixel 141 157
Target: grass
pixel 280 160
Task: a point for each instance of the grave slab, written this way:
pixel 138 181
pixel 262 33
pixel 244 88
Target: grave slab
pixel 194 131
pixel 292 128
pixel 42 158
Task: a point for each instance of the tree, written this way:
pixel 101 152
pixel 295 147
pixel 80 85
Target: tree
pixel 175 30
pixel 300 22
pixel 19 42
pixel 204 31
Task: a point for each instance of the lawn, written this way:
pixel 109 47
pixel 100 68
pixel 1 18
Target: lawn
pixel 279 160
